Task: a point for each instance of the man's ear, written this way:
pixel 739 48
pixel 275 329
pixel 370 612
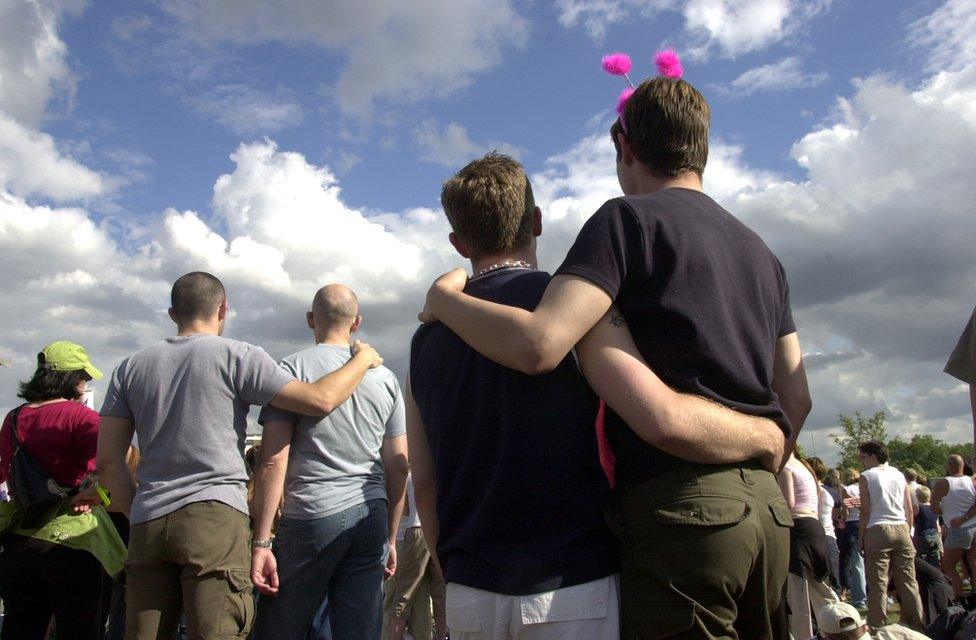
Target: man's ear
pixel 222 310
pixel 459 245
pixel 172 315
pixel 310 320
pixel 537 222
pixel 355 324
pixel 626 153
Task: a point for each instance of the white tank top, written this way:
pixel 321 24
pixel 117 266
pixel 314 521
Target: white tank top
pixel 960 498
pixel 886 486
pixel 854 491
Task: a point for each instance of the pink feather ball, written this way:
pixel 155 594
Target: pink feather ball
pixel 668 64
pixel 617 64
pixel 622 100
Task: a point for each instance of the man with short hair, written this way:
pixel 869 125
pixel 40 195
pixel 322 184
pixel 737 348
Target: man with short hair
pixel 954 497
pixel 885 527
pixel 343 491
pixel 911 477
pixel 187 399
pixel 707 303
pixel 506 466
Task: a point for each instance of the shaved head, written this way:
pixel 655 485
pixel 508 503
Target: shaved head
pixel 196 296
pixel 334 305
pixel 955 464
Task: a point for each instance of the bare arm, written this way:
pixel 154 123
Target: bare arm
pixel 395 467
pixel 422 471
pixel 685 425
pixel 865 509
pixel 970 513
pixel 785 479
pixel 790 384
pixel 328 392
pixel 269 481
pixel 535 341
pixel 114 438
pixel 909 511
pixel 939 491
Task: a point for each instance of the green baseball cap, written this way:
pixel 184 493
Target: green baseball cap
pixel 68 356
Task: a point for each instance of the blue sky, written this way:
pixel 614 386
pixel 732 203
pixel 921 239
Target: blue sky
pixel 286 145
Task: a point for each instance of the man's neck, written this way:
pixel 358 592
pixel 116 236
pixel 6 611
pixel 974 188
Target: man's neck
pixel 198 326
pixel 334 339
pixel 648 183
pixel 525 255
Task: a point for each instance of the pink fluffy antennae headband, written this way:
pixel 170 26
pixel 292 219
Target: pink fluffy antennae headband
pixel 619 64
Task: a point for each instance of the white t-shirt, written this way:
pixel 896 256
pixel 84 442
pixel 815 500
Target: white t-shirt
pixel 959 499
pixel 826 511
pixel 886 486
pixel 410 517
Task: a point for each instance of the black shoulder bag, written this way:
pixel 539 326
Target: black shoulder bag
pixel 37 495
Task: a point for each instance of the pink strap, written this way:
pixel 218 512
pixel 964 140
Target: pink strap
pixel 607 459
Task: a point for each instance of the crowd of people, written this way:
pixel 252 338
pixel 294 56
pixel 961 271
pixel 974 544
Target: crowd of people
pixel 607 452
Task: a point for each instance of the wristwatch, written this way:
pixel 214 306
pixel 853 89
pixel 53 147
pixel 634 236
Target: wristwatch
pixel 261 544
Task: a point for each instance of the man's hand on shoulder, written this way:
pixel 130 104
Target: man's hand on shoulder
pixel 359 347
pixel 451 282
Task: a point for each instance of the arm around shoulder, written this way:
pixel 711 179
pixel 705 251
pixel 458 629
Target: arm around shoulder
pixel 328 392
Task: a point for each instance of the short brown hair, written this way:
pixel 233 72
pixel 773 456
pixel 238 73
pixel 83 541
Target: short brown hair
pixel 489 204
pixel 196 295
pixel 666 124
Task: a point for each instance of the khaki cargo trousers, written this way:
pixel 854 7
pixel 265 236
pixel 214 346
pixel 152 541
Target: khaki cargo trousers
pixel 196 559
pixel 704 553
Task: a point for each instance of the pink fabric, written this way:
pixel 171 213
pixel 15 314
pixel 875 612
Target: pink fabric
pixel 607 459
pixel 804 488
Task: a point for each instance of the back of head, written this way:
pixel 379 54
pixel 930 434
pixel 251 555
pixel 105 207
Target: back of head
pixel 818 467
pixel 911 475
pixel 955 464
pixel 490 206
pixel 876 449
pixel 196 296
pixel 849 476
pixel 334 305
pixel 666 123
pixel 833 478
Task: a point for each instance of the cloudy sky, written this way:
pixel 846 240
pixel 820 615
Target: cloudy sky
pixel 287 145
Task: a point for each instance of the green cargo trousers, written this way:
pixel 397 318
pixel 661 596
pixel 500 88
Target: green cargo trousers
pixel 196 560
pixel 704 553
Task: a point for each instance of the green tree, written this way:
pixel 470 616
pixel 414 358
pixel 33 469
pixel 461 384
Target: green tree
pixel 924 453
pixel 858 429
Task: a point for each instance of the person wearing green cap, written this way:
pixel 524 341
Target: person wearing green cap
pixel 45 576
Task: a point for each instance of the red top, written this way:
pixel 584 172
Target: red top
pixel 61 436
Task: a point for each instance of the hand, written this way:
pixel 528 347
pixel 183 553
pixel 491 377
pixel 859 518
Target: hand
pixel 852 503
pixel 391 562
pixel 264 571
pixel 453 281
pixel 369 352
pixel 773 453
pixel 85 500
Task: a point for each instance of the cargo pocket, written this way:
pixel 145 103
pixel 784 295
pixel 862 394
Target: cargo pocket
pixel 702 511
pixel 237 615
pixel 654 620
pixel 781 513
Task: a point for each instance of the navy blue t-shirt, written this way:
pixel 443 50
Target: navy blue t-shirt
pixel 705 298
pixel 926 518
pixel 519 483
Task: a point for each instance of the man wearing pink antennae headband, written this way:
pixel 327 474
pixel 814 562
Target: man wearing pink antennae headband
pixel 704 548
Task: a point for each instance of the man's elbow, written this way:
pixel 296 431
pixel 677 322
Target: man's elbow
pixel 541 355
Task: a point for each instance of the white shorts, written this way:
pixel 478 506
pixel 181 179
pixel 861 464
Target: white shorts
pixel 589 611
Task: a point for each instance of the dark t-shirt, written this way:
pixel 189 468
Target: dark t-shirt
pixel 519 483
pixel 705 298
pixel 926 518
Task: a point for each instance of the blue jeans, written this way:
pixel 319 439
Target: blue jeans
pixel 853 566
pixel 339 557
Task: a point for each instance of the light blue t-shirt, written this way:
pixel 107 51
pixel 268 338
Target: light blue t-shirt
pixel 334 462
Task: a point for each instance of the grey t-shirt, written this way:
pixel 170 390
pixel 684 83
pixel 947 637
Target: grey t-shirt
pixel 962 362
pixel 188 398
pixel 334 462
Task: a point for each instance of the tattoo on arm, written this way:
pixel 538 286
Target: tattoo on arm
pixel 616 320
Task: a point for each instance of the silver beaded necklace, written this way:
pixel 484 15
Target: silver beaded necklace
pixel 517 264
